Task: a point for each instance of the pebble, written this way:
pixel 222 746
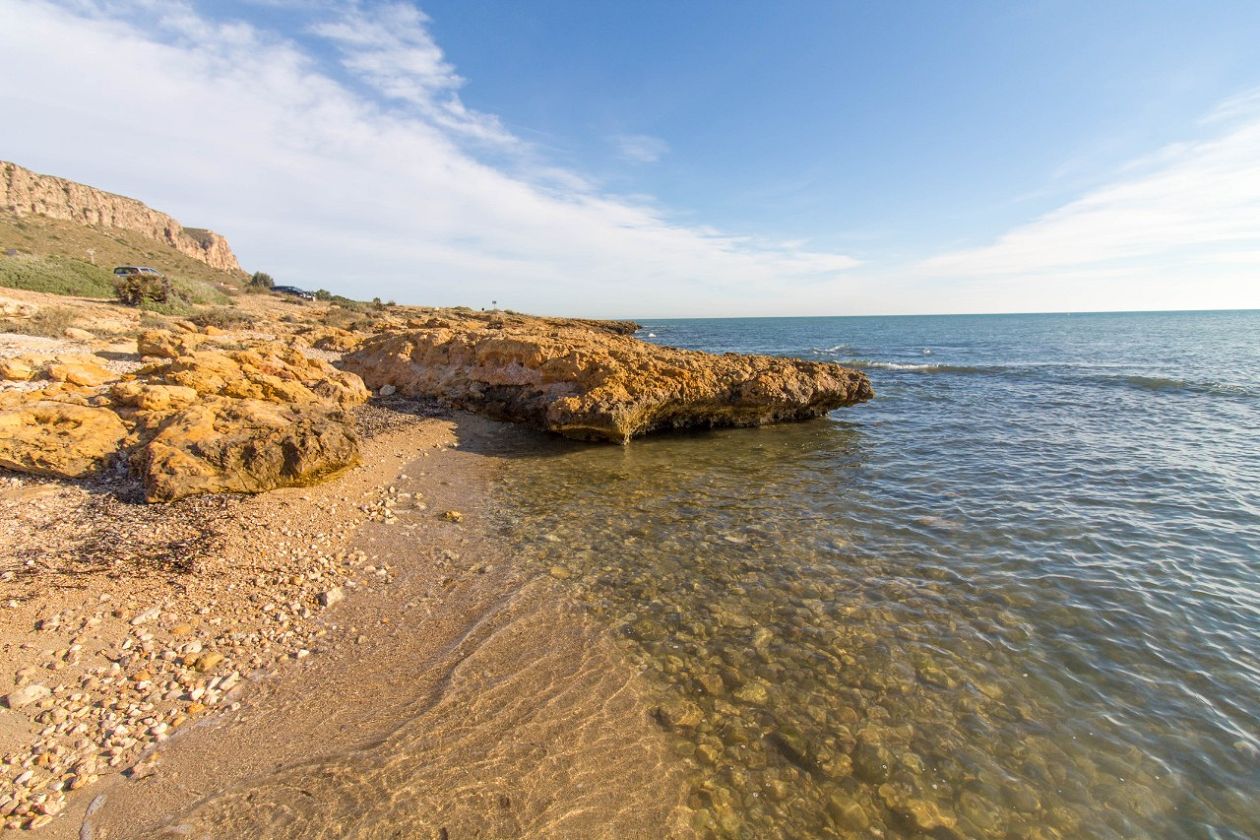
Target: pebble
pixel 146 616
pixel 26 695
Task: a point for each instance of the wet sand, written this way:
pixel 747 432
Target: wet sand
pixel 469 699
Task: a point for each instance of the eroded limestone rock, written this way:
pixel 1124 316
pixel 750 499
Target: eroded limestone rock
pixel 223 445
pixel 592 383
pixel 167 345
pixel 54 438
pixel 203 422
pixel 79 370
pixel 270 372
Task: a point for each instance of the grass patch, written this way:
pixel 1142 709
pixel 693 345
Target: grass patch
pixel 174 307
pixel 197 292
pixel 56 275
pixel 49 321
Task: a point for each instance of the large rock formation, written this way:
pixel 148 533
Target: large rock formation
pixel 206 421
pixel 586 381
pixel 246 446
pixel 24 192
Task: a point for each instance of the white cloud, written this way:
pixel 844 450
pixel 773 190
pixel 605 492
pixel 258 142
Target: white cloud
pixel 245 131
pixel 391 50
pixel 640 148
pixel 1178 228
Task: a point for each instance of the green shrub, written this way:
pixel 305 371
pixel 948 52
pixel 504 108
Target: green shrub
pixel 223 317
pixel 137 289
pixel 262 280
pixel 323 294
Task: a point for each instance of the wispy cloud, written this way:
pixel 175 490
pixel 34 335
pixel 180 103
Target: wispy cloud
pixel 640 148
pixel 390 49
pixel 382 194
pixel 1190 202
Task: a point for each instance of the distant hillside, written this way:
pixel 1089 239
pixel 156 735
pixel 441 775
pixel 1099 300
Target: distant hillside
pixel 65 238
pixel 25 193
pixel 36 249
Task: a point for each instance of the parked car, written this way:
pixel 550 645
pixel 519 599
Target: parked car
pixel 125 270
pixel 295 291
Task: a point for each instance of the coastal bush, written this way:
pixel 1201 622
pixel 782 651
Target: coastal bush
pixel 223 317
pixel 137 289
pixel 261 281
pixel 55 275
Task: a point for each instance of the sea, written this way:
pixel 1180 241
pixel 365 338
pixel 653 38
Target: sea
pixel 1016 595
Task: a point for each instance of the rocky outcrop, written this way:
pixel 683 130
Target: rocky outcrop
pixel 332 339
pixel 163 344
pixel 54 438
pixel 270 372
pixel 241 421
pixel 205 421
pixel 10 308
pixel 247 446
pixel 24 192
pixel 593 383
pixel 76 369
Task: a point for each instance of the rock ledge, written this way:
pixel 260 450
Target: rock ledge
pixel 589 382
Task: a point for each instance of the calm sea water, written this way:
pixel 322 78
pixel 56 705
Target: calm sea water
pixel 1016 595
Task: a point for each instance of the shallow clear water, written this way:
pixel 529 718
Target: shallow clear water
pixel 1017 595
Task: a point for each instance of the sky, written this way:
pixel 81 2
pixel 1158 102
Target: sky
pixel 658 159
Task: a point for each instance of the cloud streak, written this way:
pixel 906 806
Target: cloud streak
pixel 640 148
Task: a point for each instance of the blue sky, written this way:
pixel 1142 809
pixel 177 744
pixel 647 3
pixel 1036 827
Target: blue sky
pixel 657 159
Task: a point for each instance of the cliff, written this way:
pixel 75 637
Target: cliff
pixel 23 193
pixel 592 381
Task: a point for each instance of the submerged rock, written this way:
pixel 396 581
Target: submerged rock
pixel 593 383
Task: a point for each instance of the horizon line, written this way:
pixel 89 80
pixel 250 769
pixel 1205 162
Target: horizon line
pixel 940 314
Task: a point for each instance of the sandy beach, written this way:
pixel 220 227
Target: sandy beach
pixel 444 692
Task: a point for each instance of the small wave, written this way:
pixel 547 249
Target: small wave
pixel 1168 383
pixel 1067 374
pixel 864 364
pixel 651 335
